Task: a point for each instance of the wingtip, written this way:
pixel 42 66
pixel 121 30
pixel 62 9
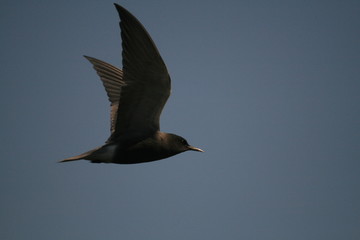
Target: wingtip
pixel 90 59
pixel 87 57
pixel 118 7
pixel 122 11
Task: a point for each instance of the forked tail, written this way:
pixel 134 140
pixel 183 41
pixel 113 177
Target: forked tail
pixel 79 157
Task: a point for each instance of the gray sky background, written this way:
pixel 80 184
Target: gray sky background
pixel 269 89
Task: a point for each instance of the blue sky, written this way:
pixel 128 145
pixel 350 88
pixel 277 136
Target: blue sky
pixel 269 89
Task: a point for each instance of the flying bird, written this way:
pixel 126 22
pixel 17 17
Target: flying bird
pixel 137 95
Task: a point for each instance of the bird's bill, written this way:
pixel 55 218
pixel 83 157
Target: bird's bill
pixel 195 149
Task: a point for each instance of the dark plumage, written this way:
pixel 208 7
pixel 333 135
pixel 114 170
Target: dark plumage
pixel 137 95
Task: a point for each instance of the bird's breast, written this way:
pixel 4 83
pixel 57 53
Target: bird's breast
pixel 145 151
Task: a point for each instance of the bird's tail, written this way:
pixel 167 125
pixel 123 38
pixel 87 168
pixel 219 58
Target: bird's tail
pixel 79 157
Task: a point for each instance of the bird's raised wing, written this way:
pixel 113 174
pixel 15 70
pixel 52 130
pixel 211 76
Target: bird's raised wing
pixel 112 79
pixel 147 82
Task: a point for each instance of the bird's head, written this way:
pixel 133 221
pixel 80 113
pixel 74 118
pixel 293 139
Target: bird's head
pixel 179 144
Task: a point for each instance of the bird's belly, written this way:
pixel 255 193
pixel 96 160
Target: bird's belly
pixel 105 154
pixel 140 154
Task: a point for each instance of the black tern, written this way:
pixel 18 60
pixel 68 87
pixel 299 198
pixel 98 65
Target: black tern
pixel 137 95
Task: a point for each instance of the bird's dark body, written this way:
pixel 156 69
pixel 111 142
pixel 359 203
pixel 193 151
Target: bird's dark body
pixel 151 148
pixel 137 95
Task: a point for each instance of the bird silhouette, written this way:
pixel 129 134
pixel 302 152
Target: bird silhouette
pixel 137 95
